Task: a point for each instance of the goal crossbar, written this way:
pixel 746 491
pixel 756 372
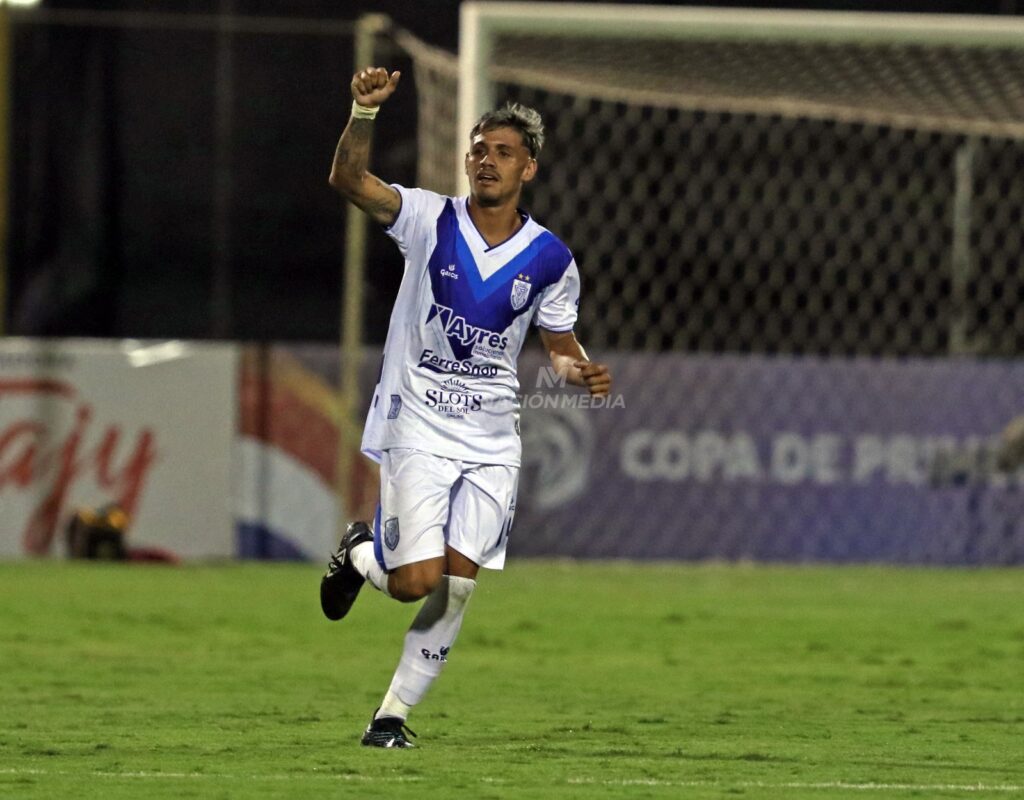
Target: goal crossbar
pixel 482 22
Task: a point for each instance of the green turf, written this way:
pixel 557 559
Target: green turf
pixel 569 680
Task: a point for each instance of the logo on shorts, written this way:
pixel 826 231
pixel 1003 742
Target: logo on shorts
pixel 391 533
pixel 396 406
pixel 520 291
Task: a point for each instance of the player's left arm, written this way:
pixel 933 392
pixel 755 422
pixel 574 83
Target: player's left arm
pixel 570 360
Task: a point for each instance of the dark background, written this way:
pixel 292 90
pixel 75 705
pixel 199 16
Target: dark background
pixel 114 223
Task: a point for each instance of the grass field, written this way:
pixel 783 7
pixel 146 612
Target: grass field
pixel 569 680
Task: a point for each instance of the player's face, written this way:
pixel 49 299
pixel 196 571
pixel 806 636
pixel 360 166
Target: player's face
pixel 498 164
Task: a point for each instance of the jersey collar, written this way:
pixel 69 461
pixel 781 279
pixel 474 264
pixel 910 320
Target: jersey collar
pixel 483 242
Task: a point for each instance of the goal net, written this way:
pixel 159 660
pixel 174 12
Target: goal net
pixel 791 183
pixel 763 181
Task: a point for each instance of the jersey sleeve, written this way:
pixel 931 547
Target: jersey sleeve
pixel 560 302
pixel 420 208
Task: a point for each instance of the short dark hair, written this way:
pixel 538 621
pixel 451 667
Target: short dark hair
pixel 518 117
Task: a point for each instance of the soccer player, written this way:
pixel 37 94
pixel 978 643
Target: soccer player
pixel 444 419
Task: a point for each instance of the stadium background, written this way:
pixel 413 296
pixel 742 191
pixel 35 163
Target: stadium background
pixel 804 375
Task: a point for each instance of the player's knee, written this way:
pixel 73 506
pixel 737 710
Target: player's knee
pixel 410 585
pixel 409 591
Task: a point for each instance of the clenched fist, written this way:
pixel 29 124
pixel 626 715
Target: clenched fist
pixel 596 377
pixel 372 86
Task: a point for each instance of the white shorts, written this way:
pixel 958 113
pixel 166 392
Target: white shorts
pixel 427 501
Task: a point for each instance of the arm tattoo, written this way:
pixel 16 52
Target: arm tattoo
pixel 351 177
pixel 378 207
pixel 361 130
pixel 353 150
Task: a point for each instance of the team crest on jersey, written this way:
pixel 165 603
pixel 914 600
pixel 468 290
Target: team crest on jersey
pixel 520 291
pixel 391 533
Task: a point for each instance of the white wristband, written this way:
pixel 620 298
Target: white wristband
pixel 364 112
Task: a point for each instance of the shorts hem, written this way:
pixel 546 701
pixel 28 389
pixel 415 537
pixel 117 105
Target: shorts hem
pixel 493 559
pixel 466 457
pixel 410 558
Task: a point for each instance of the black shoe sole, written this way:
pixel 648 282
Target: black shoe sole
pixel 395 744
pixel 334 602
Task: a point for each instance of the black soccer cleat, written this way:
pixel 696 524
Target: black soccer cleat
pixel 341 583
pixel 387 732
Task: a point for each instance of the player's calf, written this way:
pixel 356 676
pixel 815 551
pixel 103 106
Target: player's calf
pixel 424 654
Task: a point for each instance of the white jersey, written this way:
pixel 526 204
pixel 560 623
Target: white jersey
pixel 448 382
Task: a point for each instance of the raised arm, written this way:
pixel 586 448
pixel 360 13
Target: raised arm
pixel 570 359
pixel 349 173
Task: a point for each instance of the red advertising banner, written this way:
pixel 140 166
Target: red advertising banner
pixel 146 425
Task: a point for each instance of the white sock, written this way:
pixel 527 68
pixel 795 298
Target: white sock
pixel 427 643
pixel 366 565
pixel 392 706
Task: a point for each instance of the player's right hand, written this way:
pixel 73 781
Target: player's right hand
pixel 595 377
pixel 372 86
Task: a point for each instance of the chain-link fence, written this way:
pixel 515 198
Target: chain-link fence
pixel 848 202
pixel 745 196
pixel 437 81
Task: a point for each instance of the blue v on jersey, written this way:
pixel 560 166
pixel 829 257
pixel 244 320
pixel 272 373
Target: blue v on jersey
pixel 448 382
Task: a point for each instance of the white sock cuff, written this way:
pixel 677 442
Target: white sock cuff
pixel 459 590
pixel 366 564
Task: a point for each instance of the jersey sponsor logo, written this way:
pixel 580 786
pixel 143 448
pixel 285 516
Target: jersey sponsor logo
pixel 435 363
pixel 463 333
pixel 396 406
pixel 520 291
pixel 449 272
pixel 454 399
